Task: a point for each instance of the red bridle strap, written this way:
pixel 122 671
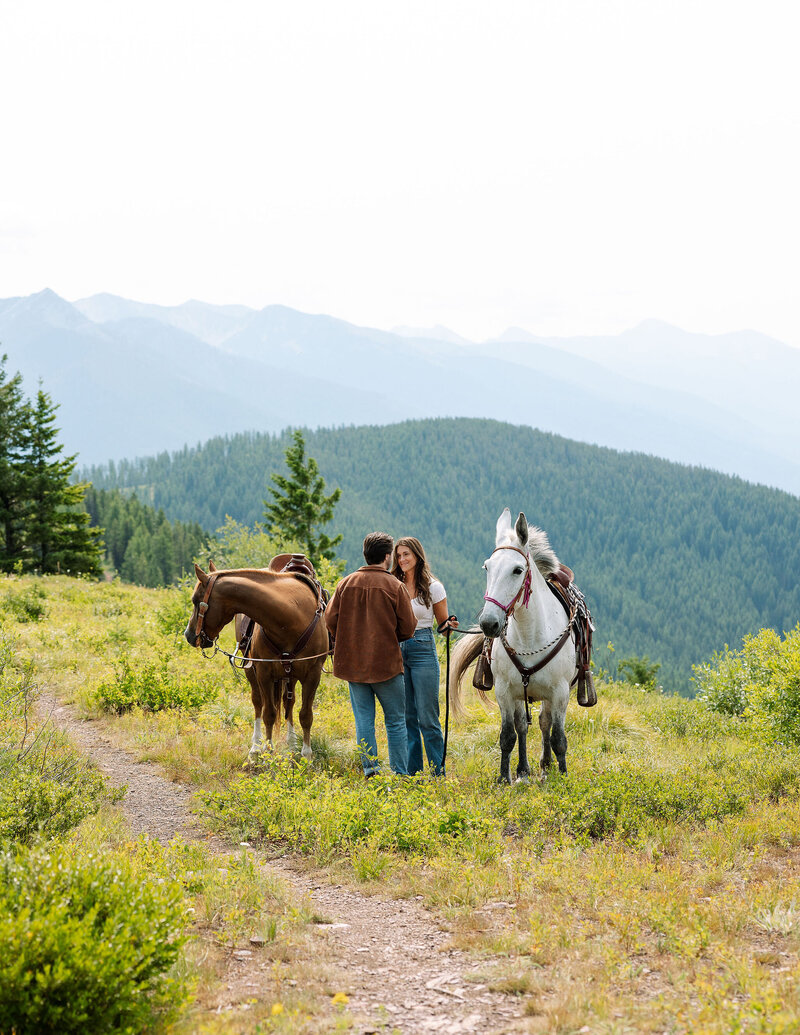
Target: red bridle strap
pixel 525 587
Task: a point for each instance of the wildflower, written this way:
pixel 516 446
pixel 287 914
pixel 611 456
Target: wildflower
pixel 277 1008
pixel 340 999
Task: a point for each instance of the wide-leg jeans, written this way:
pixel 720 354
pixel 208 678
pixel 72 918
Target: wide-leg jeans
pixel 391 695
pixel 422 701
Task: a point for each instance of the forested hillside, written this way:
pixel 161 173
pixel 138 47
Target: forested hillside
pixel 675 561
pixel 141 545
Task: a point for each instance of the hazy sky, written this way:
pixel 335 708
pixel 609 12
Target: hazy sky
pixel 568 166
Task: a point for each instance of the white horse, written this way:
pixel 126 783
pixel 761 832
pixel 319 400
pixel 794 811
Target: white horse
pixel 521 609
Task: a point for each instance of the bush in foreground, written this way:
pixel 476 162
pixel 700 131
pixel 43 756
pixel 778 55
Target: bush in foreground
pixel 619 797
pixel 86 943
pixel 45 787
pixel 151 687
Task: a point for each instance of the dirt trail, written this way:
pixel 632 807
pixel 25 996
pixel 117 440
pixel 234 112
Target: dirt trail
pixel 390 955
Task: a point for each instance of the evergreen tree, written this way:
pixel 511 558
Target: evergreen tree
pixel 14 425
pixel 300 506
pixel 58 532
pixel 141 544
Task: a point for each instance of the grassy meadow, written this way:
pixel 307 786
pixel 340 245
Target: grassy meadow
pixel 653 889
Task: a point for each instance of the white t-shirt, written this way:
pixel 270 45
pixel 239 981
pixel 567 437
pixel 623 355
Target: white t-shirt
pixel 423 614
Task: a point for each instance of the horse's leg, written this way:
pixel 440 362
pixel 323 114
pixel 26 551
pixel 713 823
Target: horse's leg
pixel 558 737
pixel 521 725
pixel 288 711
pixel 269 708
pixel 257 743
pixel 307 710
pixel 508 735
pixel 545 720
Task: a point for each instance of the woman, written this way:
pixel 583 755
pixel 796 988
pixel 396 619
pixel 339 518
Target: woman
pixel 421 665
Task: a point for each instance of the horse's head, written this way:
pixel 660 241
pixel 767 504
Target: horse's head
pixel 207 618
pixel 508 573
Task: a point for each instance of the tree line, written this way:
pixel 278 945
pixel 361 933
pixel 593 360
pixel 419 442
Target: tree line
pixel 141 545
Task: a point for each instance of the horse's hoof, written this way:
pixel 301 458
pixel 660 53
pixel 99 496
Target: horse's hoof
pixel 523 777
pixel 307 752
pixel 503 779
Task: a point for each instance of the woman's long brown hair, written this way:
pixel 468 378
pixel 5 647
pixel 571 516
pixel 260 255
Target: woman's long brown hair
pixel 423 575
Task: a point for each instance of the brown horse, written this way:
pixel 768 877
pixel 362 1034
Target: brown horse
pixel 284 609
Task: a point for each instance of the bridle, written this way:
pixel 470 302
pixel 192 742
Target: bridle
pixel 202 607
pixel 524 590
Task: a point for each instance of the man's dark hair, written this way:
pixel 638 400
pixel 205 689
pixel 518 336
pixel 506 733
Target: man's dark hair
pixel 376 546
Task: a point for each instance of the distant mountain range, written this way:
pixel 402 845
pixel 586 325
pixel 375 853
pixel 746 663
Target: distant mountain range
pixel 134 379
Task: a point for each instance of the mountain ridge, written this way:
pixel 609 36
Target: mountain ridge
pixel 269 368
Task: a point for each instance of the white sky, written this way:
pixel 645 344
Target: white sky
pixel 568 166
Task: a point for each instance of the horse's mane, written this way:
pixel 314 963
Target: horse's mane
pixel 542 553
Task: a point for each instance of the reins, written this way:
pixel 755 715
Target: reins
pixel 236 657
pixel 444 630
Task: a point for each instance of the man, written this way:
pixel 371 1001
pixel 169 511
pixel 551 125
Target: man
pixel 369 614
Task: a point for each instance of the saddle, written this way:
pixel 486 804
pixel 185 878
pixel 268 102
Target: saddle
pixel 299 565
pixel 562 585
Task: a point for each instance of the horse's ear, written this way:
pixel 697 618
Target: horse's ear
pixel 503 523
pixel 202 578
pixel 521 528
pixel 212 566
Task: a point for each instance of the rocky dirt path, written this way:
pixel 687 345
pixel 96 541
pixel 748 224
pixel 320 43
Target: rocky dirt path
pixel 389 955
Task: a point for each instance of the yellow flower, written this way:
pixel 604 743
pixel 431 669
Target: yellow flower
pixel 340 999
pixel 277 1008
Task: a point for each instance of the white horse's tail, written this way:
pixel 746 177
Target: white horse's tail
pixel 466 651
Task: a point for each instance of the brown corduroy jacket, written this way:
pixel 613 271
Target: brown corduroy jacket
pixel 368 615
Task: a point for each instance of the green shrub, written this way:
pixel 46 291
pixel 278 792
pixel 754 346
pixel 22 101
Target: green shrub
pixel 640 672
pixel 45 787
pixel 174 613
pixel 629 799
pixel 46 804
pixel 320 813
pixel 760 682
pixel 618 797
pixel 151 687
pixel 86 943
pixel 26 605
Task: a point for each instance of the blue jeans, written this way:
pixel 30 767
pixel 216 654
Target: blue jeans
pixel 391 695
pixel 422 701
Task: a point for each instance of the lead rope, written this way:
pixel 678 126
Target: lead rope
pixel 444 630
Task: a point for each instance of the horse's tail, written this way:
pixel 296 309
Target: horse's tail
pixel 465 652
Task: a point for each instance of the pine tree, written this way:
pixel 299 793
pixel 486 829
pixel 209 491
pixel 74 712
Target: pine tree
pixel 58 533
pixel 300 506
pixel 14 425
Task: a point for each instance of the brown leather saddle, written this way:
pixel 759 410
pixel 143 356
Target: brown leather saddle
pixel 562 585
